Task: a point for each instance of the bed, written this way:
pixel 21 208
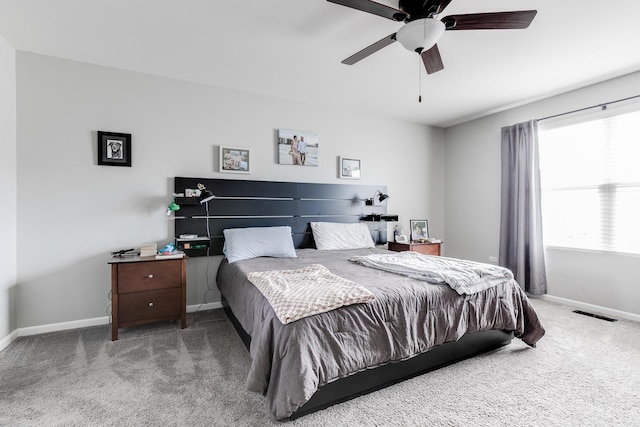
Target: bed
pixel 411 327
pixel 316 361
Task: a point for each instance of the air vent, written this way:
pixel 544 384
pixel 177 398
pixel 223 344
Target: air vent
pixel 597 316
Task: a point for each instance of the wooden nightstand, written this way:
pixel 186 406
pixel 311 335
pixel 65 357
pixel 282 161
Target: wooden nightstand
pixel 423 248
pixel 146 290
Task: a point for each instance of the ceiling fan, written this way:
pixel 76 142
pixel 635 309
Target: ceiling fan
pixel 422 29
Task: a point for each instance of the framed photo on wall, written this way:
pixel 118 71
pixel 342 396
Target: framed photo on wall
pixel 419 230
pixel 235 160
pixel 298 147
pixel 349 168
pixel 114 149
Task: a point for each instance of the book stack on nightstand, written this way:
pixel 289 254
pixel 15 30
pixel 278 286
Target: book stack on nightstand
pixel 192 244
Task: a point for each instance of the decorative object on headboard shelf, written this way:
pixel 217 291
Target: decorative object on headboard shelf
pixel 173 206
pixel 114 149
pixel 379 196
pixel 298 147
pixel 379 226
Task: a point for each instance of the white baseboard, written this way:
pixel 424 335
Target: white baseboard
pixel 203 307
pixel 610 312
pixel 63 326
pixel 84 323
pixel 4 342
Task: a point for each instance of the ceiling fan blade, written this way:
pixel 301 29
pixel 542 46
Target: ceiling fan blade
pixel 432 60
pixel 374 8
pixel 490 21
pixel 370 49
pixel 423 8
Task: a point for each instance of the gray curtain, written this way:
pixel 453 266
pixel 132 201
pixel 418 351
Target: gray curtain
pixel 521 248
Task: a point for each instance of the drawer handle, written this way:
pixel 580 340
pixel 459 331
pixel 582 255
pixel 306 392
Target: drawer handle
pixel 150 304
pixel 151 276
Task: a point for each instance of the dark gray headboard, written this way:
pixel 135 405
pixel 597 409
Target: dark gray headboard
pixel 244 203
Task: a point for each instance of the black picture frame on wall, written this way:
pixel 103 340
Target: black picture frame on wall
pixel 114 149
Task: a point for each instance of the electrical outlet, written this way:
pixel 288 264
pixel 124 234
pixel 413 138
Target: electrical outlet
pixel 493 259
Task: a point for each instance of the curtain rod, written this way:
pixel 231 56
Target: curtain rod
pixel 603 106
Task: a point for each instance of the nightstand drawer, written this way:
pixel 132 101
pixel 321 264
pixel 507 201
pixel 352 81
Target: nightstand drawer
pixel 146 276
pixel 423 248
pixel 140 307
pixel 433 249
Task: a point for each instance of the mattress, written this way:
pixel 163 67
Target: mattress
pixel 289 362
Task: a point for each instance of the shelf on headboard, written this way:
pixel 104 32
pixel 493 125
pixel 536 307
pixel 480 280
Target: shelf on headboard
pixel 376 217
pixel 249 203
pixel 183 201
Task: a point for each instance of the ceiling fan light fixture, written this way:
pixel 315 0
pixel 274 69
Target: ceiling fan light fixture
pixel 421 34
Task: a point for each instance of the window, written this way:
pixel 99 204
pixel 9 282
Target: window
pixel 590 177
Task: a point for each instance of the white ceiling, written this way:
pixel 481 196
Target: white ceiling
pixel 292 49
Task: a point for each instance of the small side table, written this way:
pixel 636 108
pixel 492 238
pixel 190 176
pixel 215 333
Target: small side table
pixel 146 290
pixel 423 248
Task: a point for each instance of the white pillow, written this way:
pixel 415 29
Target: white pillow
pixel 336 235
pixel 252 242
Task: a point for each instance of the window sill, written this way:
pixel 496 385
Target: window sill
pixel 591 251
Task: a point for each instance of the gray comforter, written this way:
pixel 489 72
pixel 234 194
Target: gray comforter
pixel 408 316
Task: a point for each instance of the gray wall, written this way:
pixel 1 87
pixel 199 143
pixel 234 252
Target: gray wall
pixel 72 212
pixel 472 203
pixel 8 191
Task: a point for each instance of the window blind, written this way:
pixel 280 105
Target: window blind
pixel 590 176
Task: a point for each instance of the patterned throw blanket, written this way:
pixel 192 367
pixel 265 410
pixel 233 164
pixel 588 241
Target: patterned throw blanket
pixel 464 277
pixel 295 294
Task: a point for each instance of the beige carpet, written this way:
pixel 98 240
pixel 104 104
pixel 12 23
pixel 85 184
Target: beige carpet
pixel 584 372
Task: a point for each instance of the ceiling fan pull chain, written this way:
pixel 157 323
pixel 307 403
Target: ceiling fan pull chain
pixel 424 30
pixel 419 80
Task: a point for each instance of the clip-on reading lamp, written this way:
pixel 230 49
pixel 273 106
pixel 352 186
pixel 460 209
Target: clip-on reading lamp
pixel 205 195
pixel 380 195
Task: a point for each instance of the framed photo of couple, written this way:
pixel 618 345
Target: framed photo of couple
pixel 298 147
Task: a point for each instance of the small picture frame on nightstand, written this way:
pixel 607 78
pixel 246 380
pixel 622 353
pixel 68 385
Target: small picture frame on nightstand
pixel 419 230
